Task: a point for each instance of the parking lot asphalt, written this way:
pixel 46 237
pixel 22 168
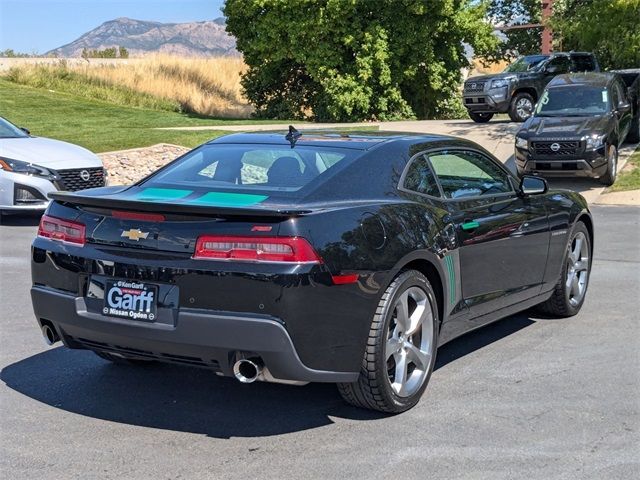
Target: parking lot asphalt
pixel 527 397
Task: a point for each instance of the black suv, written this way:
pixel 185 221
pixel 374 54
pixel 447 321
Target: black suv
pixel 516 90
pixel 577 127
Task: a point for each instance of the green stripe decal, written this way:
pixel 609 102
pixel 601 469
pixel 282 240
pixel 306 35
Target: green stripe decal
pixel 470 225
pixel 161 194
pixel 222 199
pixel 452 278
pixel 214 199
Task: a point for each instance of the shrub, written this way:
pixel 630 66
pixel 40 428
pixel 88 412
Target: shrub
pixel 356 59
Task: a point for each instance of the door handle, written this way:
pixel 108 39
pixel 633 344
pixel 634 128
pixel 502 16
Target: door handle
pixel 469 225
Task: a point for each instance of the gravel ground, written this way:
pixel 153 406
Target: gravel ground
pixel 128 166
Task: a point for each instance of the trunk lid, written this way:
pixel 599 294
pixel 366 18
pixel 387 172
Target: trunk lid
pixel 171 219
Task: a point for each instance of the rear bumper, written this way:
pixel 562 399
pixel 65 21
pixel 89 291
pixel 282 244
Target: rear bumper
pixel 197 338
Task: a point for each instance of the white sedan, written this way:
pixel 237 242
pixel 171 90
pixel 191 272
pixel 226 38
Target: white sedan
pixel 31 167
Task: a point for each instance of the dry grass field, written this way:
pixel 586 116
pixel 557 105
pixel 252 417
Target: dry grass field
pixel 203 86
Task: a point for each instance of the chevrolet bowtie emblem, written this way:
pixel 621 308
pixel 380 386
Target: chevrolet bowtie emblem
pixel 134 234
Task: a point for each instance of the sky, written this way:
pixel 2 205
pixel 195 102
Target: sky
pixel 37 26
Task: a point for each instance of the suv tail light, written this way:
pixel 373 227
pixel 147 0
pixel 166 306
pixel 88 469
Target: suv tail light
pixel 61 230
pixel 265 249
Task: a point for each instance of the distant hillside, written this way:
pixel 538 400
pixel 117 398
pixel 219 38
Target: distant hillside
pixel 195 39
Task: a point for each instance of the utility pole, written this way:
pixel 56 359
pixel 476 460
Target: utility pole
pixel 547 36
pixel 546 44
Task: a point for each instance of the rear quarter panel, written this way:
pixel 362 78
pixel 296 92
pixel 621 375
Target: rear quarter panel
pixel 564 209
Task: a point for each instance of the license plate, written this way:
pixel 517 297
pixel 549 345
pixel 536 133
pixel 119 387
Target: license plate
pixel 130 299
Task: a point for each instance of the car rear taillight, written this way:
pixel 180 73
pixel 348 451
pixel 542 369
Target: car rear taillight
pixel 61 230
pixel 265 249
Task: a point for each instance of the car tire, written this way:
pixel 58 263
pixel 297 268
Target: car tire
pixel 480 117
pixel 634 133
pixel 393 381
pixel 121 360
pixel 520 104
pixel 566 301
pixel 609 177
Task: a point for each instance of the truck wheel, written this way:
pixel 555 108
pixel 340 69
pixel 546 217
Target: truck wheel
pixel 480 117
pixel 571 289
pixel 612 165
pixel 634 133
pixel 521 107
pixel 401 348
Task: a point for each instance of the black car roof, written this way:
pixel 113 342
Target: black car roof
pixel 574 53
pixel 592 79
pixel 555 54
pixel 352 139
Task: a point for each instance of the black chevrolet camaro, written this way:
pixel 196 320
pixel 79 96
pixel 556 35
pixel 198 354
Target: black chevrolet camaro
pixel 309 257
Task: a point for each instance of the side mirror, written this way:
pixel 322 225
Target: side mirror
pixel 530 185
pixel 624 107
pixel 25 130
pixel 552 69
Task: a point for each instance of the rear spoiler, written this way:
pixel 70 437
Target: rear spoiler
pixel 180 208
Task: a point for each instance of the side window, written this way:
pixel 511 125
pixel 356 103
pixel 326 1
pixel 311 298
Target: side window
pixel 561 64
pixel 420 178
pixel 620 90
pixel 615 96
pixel 582 63
pixel 469 174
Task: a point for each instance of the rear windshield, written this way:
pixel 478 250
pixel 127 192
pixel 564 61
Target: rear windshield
pixel 273 168
pixel 573 101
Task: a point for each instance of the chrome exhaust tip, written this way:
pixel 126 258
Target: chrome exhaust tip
pixel 247 370
pixel 49 334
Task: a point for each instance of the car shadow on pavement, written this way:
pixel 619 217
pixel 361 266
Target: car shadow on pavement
pixel 195 400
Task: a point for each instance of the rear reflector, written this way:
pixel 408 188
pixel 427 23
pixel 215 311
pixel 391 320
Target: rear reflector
pixel 61 230
pixel 344 279
pixel 264 249
pixel 145 217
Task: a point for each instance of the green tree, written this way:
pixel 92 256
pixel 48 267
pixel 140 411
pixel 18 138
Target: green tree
pixel 356 59
pixel 109 52
pixel 10 53
pixel 123 52
pixel 522 41
pixel 609 28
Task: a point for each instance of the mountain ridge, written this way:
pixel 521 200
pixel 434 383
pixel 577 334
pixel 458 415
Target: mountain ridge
pixel 206 38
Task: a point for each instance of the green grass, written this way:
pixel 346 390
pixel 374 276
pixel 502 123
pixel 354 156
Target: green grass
pixel 99 125
pixel 629 180
pixel 60 79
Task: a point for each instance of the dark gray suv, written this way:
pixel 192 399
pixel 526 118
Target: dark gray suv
pixel 516 90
